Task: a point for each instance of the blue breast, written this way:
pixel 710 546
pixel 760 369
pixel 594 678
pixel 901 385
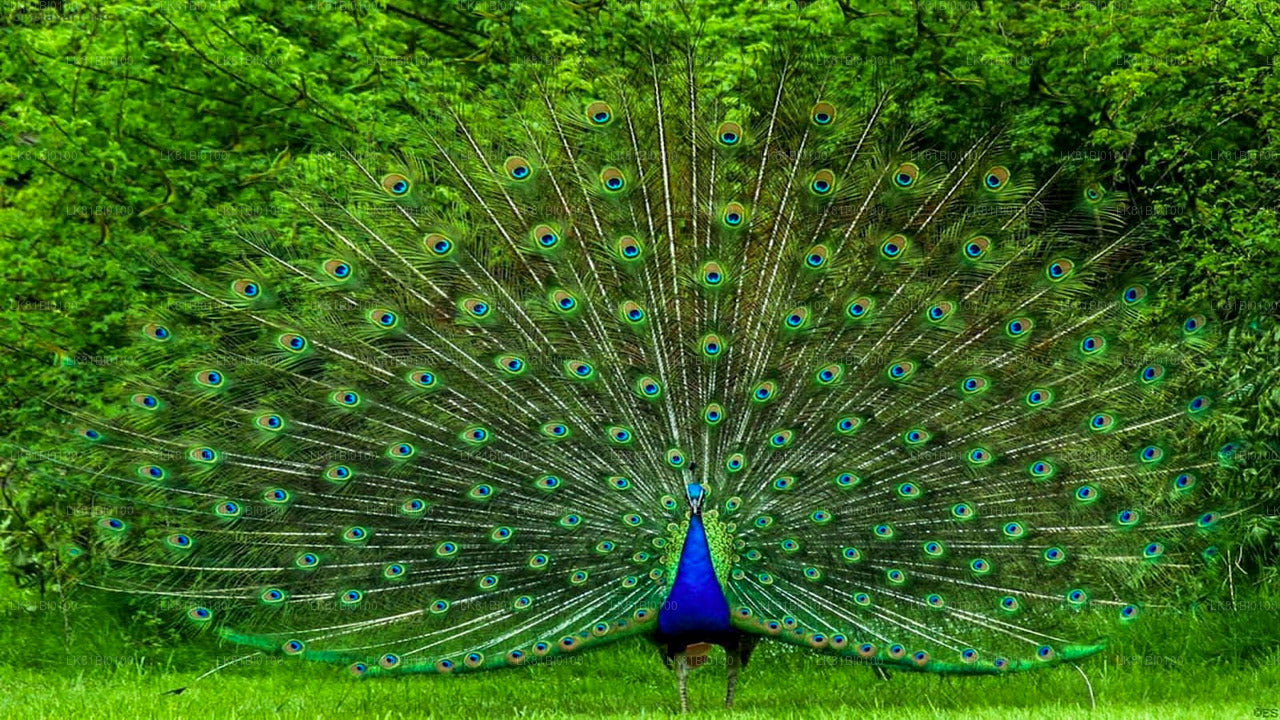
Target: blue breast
pixel 696 602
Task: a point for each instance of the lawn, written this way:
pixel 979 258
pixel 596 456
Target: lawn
pixel 628 680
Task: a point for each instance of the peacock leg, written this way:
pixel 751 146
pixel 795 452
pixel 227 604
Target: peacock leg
pixel 682 680
pixel 732 663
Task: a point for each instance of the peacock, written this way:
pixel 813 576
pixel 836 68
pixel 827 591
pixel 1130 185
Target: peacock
pixel 709 362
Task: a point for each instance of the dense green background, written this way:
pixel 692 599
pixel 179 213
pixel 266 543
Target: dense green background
pixel 129 129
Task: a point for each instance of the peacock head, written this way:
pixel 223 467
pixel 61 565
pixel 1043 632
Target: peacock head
pixel 695 493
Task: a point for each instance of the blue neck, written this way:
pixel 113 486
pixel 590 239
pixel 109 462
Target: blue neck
pixel 696 604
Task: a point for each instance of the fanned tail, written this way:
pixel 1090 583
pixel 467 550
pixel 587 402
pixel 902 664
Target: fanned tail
pixel 452 425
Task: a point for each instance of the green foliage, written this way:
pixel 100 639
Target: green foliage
pixel 133 132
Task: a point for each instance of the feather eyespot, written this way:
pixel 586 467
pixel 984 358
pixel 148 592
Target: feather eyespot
pixel 916 436
pixel 401 451
pixel 1102 422
pixel 796 318
pixel 996 178
pixel 816 258
pixel 900 370
pixel 939 312
pixel 292 342
pixel 338 474
pixel 1133 294
pixel 974 385
pixel 579 370
pixel 339 270
pixel 823 182
pixel 1059 270
pixel 712 274
pixel 599 114
pixel 247 289
pixel 1151 454
pixel 620 435
pixel 859 308
pixel 475 436
pixel 729 133
pixel 1019 327
pixel 517 168
pixel 676 458
pixel 545 237
pixel 631 313
pixel 847 480
pixel 1039 397
pixel 146 401
pixel 613 180
pixel 979 456
pixel 1093 344
pixel 734 214
pixel 396 184
pixel 823 114
pixel 764 392
pixel 562 301
pixel 345 398
pixel 893 247
pixel 1041 469
pixel 977 247
pixel 202 454
pixel 438 245
pixel 830 374
pixel 713 414
pixel 159 333
pixel 906 175
pixel 1193 324
pixel 210 378
pixel 556 430
pixel 1151 374
pixel 383 318
pixel 648 388
pixel 423 379
pixel 629 249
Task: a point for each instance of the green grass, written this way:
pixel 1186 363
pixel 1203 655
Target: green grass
pixel 628 680
pixel 88 658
